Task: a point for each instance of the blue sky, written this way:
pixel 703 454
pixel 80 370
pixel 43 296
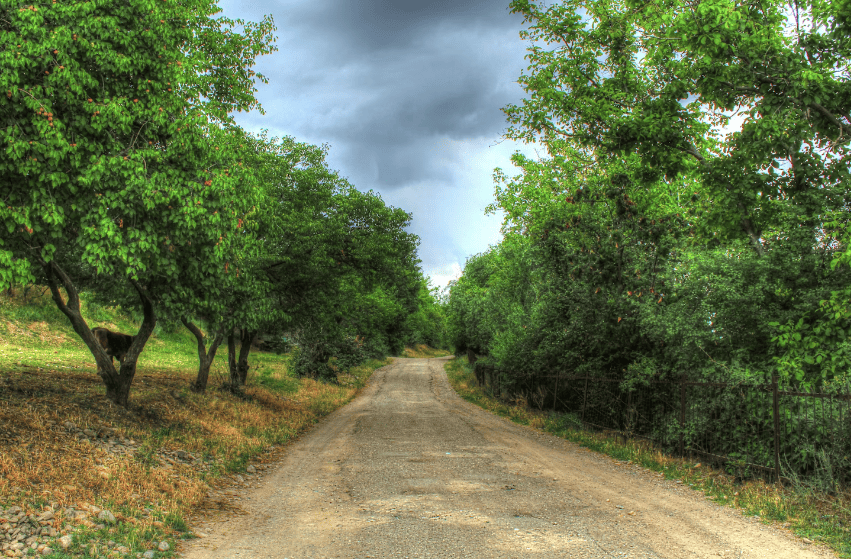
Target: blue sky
pixel 407 94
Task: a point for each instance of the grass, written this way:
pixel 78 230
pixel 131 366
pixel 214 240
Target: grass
pixel 815 516
pixel 423 351
pixel 48 378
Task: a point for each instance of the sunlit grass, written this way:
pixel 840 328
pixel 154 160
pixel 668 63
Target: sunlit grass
pixel 423 351
pixel 817 517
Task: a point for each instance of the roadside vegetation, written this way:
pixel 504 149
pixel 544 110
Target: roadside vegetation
pixel 681 243
pixel 68 450
pixel 816 517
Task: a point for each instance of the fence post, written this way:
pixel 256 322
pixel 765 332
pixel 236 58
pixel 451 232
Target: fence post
pixel 682 413
pixel 555 394
pixel 584 399
pixel 627 418
pixel 776 414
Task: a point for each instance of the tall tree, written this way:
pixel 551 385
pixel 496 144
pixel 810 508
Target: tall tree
pixel 659 80
pixel 642 93
pixel 109 159
pixel 327 250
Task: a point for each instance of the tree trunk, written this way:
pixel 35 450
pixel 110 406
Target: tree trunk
pixel 246 339
pixel 118 388
pixel 747 226
pixel 118 385
pixel 205 358
pixel 471 357
pixel 239 367
pixel 117 381
pixel 234 376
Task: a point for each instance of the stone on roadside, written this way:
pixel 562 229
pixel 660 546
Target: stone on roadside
pixel 149 555
pixel 106 516
pixel 163 546
pixel 46 550
pixel 65 541
pixel 251 470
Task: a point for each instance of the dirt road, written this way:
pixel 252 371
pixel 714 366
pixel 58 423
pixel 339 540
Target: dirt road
pixel 410 470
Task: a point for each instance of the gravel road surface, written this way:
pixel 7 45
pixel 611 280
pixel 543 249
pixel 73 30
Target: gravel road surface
pixel 408 469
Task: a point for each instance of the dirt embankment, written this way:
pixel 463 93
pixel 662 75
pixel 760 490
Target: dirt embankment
pixel 410 470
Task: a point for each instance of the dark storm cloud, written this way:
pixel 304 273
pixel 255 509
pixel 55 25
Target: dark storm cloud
pixel 439 94
pixel 408 96
pixel 384 24
pixel 371 25
pixel 375 79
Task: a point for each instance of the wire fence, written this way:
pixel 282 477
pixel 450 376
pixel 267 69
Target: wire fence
pixel 752 430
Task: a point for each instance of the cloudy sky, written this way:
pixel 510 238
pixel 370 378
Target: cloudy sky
pixel 407 93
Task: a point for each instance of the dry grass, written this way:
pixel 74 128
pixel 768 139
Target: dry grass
pixel 48 378
pixel 40 462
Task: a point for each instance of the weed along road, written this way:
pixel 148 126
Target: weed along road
pixel 408 469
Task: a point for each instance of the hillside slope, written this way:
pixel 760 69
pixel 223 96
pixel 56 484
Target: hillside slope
pixel 120 480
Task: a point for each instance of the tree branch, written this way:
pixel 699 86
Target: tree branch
pixel 829 116
pixel 745 223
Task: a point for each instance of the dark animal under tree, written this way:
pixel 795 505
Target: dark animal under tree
pixel 114 344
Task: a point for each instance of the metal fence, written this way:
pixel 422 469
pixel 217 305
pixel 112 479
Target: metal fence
pixel 751 430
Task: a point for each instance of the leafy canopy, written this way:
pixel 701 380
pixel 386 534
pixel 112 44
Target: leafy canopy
pixel 106 128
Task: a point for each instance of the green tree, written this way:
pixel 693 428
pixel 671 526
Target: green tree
pixel 471 324
pixel 427 325
pixel 642 91
pixel 331 265
pixel 299 261
pixel 107 119
pixel 657 81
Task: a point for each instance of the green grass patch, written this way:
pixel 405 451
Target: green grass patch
pixel 273 379
pixel 818 517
